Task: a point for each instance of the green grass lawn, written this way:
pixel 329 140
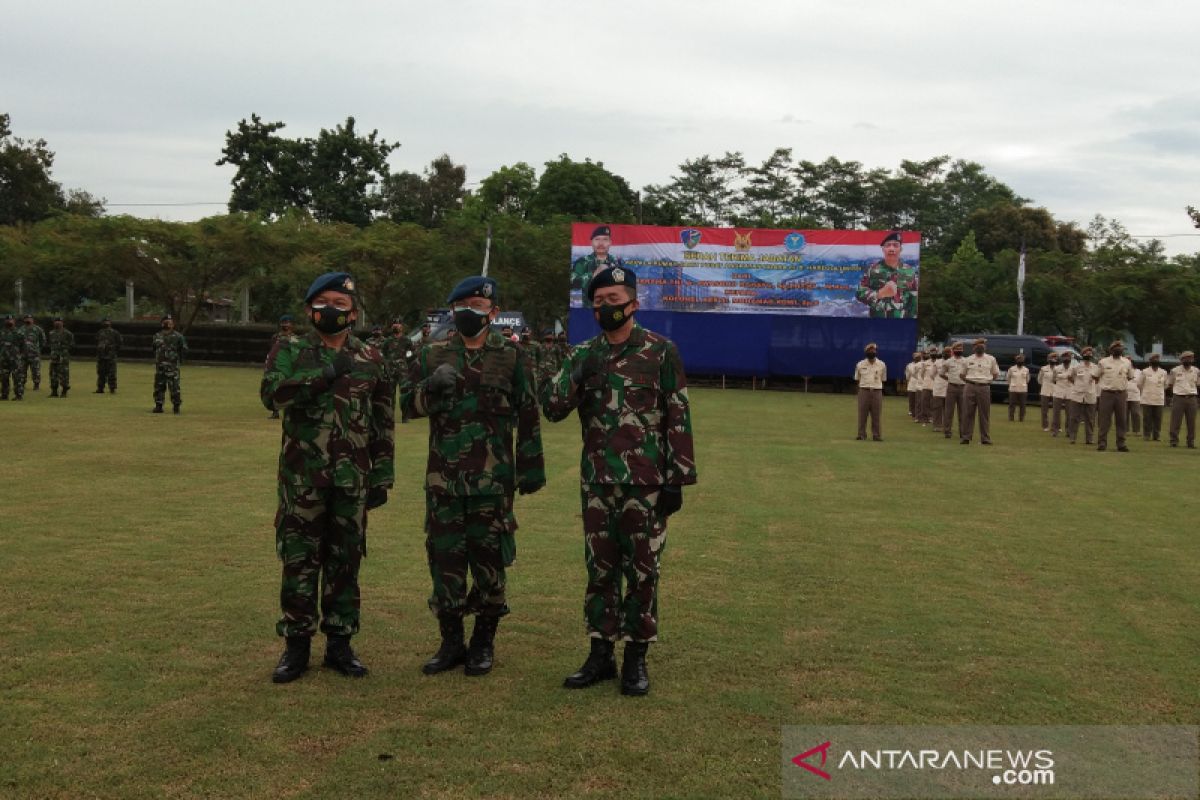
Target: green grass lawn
pixel 809 579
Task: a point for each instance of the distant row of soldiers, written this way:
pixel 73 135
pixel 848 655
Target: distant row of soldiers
pixel 1098 396
pixel 21 349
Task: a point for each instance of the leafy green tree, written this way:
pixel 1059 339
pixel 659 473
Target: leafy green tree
pixel 581 190
pixel 345 167
pixel 508 190
pixel 273 172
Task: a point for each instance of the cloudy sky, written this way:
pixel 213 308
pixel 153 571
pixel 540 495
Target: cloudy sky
pixel 1084 108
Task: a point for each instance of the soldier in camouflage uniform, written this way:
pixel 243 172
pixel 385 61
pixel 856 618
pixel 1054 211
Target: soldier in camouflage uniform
pixel 12 359
pixel 889 288
pixel 376 338
pixel 169 349
pixel 583 268
pixel 35 342
pixel 477 390
pixel 533 355
pixel 61 342
pixel 108 347
pixel 549 362
pixel 630 390
pixel 335 464
pixel 397 352
pixel 284 334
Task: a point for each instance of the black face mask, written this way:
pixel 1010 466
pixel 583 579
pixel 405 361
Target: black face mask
pixel 978 351
pixel 870 356
pixel 469 322
pixel 397 331
pixel 612 317
pixel 330 319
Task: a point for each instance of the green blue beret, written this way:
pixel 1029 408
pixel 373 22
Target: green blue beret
pixel 475 286
pixel 286 318
pixel 601 230
pixel 894 236
pixel 331 281
pixel 612 276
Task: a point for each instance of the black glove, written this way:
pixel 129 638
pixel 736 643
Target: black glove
pixel 443 379
pixel 376 496
pixel 528 487
pixel 670 500
pixel 343 362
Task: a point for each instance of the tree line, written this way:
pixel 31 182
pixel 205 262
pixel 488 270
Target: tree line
pixel 301 205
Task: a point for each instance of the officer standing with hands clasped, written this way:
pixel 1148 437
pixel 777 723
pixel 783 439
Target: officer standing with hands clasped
pixel 870 374
pixel 335 465
pixel 979 370
pixel 630 390
pixel 1115 373
pixel 477 389
pixel 169 349
pixel 1184 382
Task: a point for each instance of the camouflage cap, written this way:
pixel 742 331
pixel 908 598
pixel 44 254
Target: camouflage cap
pixel 958 347
pixel 28 317
pixel 166 317
pixel 331 281
pixel 1117 343
pixel 1187 354
pixel 1155 357
pixel 979 341
pixel 872 347
pixel 475 286
pixel 1087 351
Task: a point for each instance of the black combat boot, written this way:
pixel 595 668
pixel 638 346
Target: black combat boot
pixel 452 651
pixel 634 678
pixel 482 650
pixel 64 391
pixel 600 666
pixel 99 391
pixel 339 656
pixel 175 408
pixel 294 661
pixel 54 392
pixel 157 408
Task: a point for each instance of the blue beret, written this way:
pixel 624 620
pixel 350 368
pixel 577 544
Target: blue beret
pixel 331 281
pixel 475 286
pixel 612 276
pixel 286 318
pixel 894 236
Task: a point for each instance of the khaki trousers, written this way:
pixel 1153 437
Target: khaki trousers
pixel 954 402
pixel 1183 406
pixel 1016 400
pixel 1111 404
pixel 870 401
pixel 978 401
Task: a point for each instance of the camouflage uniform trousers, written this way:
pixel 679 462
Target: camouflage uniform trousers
pixel 624 537
pixel 106 372
pixel 60 373
pixel 320 535
pixel 166 376
pixel 12 371
pixel 468 534
pixel 34 364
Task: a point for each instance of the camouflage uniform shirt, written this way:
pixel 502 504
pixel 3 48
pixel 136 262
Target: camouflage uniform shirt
pixel 637 426
pixel 169 348
pixel 471 449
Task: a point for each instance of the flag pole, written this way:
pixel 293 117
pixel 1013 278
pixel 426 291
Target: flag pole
pixel 1021 291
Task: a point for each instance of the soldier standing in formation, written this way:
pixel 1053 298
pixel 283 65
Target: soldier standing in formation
pixel 284 334
pixel 477 390
pixel 911 385
pixel 108 347
pixel 1153 385
pixel 12 360
pixel 954 370
pixel 376 338
pixel 1082 378
pixel 1116 372
pixel 397 352
pixel 630 390
pixel 169 349
pixel 1062 394
pixel 1133 403
pixel 61 341
pixel 938 409
pixel 928 371
pixel 1018 388
pixel 1183 384
pixel 335 464
pixel 35 342
pixel 979 371
pixel 1045 379
pixel 916 385
pixel 870 374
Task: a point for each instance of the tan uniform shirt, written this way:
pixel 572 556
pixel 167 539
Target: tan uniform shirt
pixel 939 381
pixel 1018 379
pixel 1081 378
pixel 1115 372
pixel 1153 383
pixel 1132 393
pixel 917 382
pixel 980 369
pixel 1062 386
pixel 1183 381
pixel 908 376
pixel 1045 379
pixel 870 376
pixel 952 370
pixel 929 371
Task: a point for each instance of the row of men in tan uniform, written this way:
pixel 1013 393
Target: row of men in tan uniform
pixel 1114 389
pixel 942 384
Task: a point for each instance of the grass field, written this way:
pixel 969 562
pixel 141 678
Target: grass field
pixel 809 579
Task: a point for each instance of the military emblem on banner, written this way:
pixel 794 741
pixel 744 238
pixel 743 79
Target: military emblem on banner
pixel 794 242
pixel 690 238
